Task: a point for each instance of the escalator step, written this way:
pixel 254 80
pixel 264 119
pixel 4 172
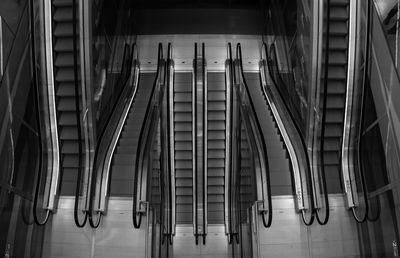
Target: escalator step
pixel 65 45
pixel 66 104
pixel 69 133
pixel 63 14
pixel 67 118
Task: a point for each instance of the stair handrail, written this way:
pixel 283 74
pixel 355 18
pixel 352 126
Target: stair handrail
pixel 146 137
pixel 252 125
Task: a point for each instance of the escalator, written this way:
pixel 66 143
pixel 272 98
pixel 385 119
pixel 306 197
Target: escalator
pixel 183 147
pixel 336 92
pixel 63 56
pixel 216 146
pixel 125 154
pixel 279 165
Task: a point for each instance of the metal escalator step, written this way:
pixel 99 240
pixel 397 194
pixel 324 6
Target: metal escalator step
pixel 184 199
pixel 185 78
pixel 184 191
pixel 339 2
pixel 67 118
pixel 217 163
pixel 66 104
pixel 216 136
pixel 68 133
pixel 216 125
pixel 70 161
pixel 62 3
pixel 331 158
pixel 216 171
pixel 333 130
pixel 69 147
pixel 337 57
pixel 183 117
pixel 184 173
pixel 65 45
pixel 66 89
pixel 64 60
pixel 183 126
pixel 216 154
pixel 65 75
pixel 217 80
pixel 183 136
pixel 217 96
pixel 183 182
pixel 216 115
pixel 63 14
pixel 216 199
pixel 216 106
pixel 183 146
pixel 332 144
pixel 63 29
pixel 216 181
pixel 337 43
pixel 335 101
pixel 182 96
pixel 338 13
pixel 216 207
pixel 336 87
pixel 126 149
pixel 183 155
pixel 185 164
pixel 337 73
pixel 215 190
pixel 334 116
pixel 338 28
pixel 183 107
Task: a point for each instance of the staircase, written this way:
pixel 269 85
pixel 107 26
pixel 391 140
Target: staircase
pixel 123 163
pixel 183 147
pixel 337 77
pixel 65 97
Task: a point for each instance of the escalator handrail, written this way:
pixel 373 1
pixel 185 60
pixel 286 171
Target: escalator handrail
pixel 194 138
pixel 323 123
pixel 37 99
pixel 78 119
pixel 362 118
pixel 259 135
pixel 144 138
pixel 297 127
pixel 171 191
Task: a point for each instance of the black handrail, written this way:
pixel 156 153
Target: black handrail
pixel 137 216
pixel 267 223
pixel 297 127
pixel 361 168
pixel 323 118
pixel 169 74
pixel 203 57
pixel 232 233
pixel 194 133
pixel 38 124
pixel 78 119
